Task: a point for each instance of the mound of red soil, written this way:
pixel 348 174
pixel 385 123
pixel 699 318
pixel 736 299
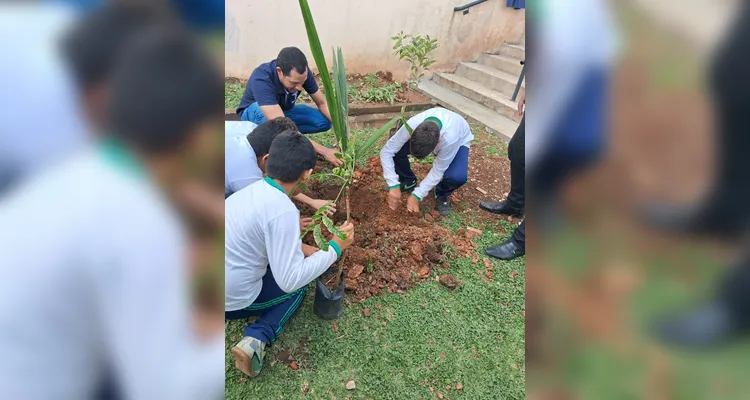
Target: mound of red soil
pixel 392 250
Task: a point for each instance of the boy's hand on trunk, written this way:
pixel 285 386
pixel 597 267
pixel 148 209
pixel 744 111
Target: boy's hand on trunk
pixel 394 198
pixel 348 230
pixel 304 223
pixel 412 205
pixel 308 250
pixel 317 204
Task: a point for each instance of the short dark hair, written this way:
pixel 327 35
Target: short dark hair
pixel 291 57
pixel 262 136
pixel 165 85
pixel 290 156
pixel 424 139
pixel 92 46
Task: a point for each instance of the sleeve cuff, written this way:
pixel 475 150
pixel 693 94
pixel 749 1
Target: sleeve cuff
pixel 416 197
pixel 335 247
pixel 394 186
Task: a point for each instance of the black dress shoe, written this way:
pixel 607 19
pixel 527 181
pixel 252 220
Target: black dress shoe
pixel 505 251
pixel 501 207
pixel 443 205
pixel 695 219
pixel 706 326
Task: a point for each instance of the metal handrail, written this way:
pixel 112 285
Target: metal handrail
pixel 520 80
pixel 465 8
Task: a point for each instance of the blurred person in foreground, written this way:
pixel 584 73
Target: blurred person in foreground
pixel 514 204
pixel 724 212
pixel 104 285
pixel 573 50
pixel 32 69
pixel 91 49
pixel 267 267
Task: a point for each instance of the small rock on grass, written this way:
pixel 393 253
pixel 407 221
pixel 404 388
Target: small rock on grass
pixel 351 385
pixel 440 395
pixel 293 366
pixel 472 233
pixel 366 312
pixel 449 281
pixel 459 386
pixel 384 323
pixel 335 327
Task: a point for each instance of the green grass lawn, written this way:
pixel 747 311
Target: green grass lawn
pixel 233 94
pixel 433 338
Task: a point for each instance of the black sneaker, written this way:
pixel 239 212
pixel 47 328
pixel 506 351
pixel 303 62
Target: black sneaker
pixel 443 205
pixel 408 186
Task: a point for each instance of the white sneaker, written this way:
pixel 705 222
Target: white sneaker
pixel 248 355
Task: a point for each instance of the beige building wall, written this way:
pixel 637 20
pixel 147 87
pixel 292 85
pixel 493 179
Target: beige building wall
pixel 256 30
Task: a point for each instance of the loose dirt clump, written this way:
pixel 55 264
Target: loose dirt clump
pixel 449 281
pixel 392 251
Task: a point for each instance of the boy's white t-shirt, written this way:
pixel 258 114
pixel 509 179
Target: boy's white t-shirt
pixel 455 132
pixel 94 267
pixel 240 163
pixel 262 230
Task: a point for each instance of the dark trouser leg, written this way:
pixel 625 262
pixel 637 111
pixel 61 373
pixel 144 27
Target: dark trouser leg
pixel 734 292
pixel 275 308
pixel 456 174
pixel 402 165
pixel 519 235
pixel 517 157
pixel 308 119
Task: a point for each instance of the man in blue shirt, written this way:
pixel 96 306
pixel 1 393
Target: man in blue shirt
pixel 272 91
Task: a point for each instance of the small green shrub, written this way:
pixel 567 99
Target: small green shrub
pixel 382 93
pixel 417 51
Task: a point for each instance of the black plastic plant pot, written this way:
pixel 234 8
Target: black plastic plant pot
pixel 328 305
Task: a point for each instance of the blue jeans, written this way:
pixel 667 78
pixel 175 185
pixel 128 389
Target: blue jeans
pixel 454 177
pixel 274 306
pixel 307 119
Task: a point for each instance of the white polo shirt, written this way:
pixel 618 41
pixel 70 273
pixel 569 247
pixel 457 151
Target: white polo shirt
pixel 240 163
pixel 262 229
pixel 454 133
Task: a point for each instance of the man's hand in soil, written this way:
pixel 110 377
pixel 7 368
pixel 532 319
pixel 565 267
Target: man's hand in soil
pixel 394 199
pixel 329 155
pixel 348 229
pixel 412 205
pixel 308 250
pixel 304 223
pixel 317 204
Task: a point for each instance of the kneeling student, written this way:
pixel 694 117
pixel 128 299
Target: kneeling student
pixel 266 268
pixel 246 157
pixel 436 131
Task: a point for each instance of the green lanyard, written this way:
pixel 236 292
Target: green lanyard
pixel 122 158
pixel 535 9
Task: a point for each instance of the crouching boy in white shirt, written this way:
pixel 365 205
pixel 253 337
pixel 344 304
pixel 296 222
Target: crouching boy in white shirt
pixel 436 131
pixel 266 268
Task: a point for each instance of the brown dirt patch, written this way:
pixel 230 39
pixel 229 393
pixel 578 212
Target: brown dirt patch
pixel 392 251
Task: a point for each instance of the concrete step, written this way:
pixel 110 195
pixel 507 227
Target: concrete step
pixel 513 51
pixel 494 79
pixel 501 63
pixel 498 125
pixel 479 93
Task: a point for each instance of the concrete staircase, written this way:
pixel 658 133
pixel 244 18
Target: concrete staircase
pixel 481 90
